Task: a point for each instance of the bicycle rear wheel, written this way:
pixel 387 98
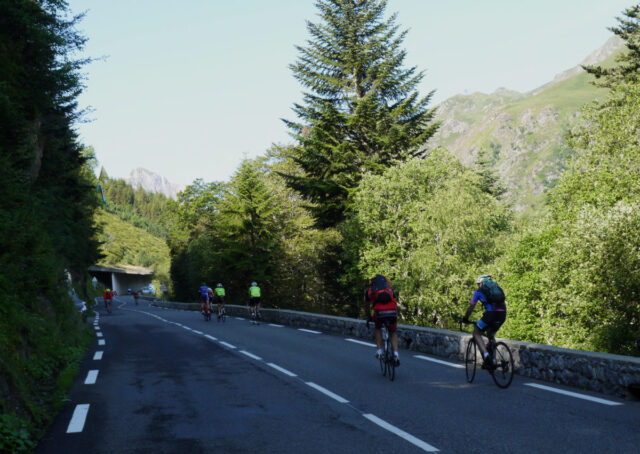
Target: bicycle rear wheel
pixel 503 372
pixel 470 360
pixel 390 360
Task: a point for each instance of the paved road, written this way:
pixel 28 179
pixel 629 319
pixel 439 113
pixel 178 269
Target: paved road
pixel 169 382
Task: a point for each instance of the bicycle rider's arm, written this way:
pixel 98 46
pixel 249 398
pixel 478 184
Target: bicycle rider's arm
pixel 367 306
pixel 472 306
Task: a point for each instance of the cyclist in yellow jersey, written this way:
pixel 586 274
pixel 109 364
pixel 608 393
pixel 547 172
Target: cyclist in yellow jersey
pixel 219 294
pixel 254 299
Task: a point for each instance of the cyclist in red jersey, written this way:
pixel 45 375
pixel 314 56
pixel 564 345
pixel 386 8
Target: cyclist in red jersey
pixel 381 296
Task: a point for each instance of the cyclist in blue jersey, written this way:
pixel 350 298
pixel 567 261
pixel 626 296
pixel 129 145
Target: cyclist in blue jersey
pixel 494 316
pixel 205 296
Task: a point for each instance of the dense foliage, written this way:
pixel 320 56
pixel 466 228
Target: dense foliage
pixel 46 214
pixel 143 209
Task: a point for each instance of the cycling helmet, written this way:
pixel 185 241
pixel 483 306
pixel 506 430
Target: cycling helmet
pixel 254 284
pixel 219 285
pixel 108 290
pixel 481 279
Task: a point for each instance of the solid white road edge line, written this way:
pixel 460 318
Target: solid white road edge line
pixel 284 371
pixel 92 376
pixel 433 360
pixel 572 394
pixel 227 345
pixel 250 355
pixel 97 356
pixel 309 331
pixel 368 344
pixel 325 391
pixel 77 420
pixel 401 433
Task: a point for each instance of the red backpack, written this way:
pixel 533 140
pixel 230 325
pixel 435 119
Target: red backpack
pixel 380 291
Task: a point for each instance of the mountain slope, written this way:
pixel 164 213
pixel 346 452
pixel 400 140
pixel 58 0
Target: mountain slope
pixel 124 244
pixel 152 182
pixel 523 132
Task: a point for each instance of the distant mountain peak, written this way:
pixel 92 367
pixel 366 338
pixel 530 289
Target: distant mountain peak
pixel 152 182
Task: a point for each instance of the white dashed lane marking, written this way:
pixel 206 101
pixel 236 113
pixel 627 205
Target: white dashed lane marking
pixel 284 371
pixel 325 391
pixel 277 326
pixel 368 344
pixel 401 433
pixel 572 394
pixel 227 345
pixel 250 355
pixel 97 356
pixel 101 342
pixel 309 331
pixel 433 360
pixel 77 420
pixel 92 376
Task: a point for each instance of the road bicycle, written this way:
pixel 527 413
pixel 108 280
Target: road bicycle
pixel 255 316
pixel 107 304
pixel 206 312
pixel 387 359
pixel 500 362
pixel 222 314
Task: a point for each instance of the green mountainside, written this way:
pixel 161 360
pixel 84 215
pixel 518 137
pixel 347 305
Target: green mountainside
pixel 125 244
pixel 523 133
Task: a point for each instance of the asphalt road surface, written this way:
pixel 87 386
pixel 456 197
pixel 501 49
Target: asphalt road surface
pixel 167 381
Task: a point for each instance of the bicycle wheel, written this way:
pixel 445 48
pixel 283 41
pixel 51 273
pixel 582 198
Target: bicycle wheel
pixel 383 357
pixel 390 360
pixel 503 373
pixel 470 360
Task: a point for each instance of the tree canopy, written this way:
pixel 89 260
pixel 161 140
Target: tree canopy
pixel 361 110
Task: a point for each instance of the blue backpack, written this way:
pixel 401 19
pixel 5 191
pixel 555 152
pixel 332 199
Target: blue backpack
pixel 493 293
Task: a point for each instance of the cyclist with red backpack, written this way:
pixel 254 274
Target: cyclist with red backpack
pixel 385 309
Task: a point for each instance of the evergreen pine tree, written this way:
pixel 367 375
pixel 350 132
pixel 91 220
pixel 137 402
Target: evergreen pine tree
pixel 248 221
pixel 628 67
pixel 361 111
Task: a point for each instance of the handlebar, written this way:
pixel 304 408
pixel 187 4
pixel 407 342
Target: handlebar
pixel 461 320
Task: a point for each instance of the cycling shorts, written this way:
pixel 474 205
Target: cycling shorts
pixel 492 320
pixel 388 315
pixel 219 299
pixel 254 301
pixel 204 298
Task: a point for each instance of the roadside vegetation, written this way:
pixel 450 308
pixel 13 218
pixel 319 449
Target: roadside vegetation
pixel 361 191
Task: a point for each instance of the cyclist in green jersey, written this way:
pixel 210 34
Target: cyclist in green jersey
pixel 254 299
pixel 219 294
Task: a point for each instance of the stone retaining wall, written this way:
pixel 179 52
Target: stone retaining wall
pixel 610 374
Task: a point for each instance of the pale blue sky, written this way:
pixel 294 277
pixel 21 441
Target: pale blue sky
pixel 189 88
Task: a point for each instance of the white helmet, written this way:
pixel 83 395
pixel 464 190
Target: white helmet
pixel 219 285
pixel 254 284
pixel 484 277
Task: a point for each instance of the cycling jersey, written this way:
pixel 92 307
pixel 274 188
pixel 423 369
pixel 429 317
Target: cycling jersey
pixel 479 296
pixel 254 292
pixel 204 293
pixel 219 291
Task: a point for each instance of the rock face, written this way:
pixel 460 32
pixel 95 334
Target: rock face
pixel 523 133
pixel 152 182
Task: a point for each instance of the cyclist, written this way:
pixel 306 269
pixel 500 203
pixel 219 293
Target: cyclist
pixel 495 312
pixel 381 296
pixel 135 296
pixel 254 300
pixel 220 294
pixel 205 296
pixel 107 297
